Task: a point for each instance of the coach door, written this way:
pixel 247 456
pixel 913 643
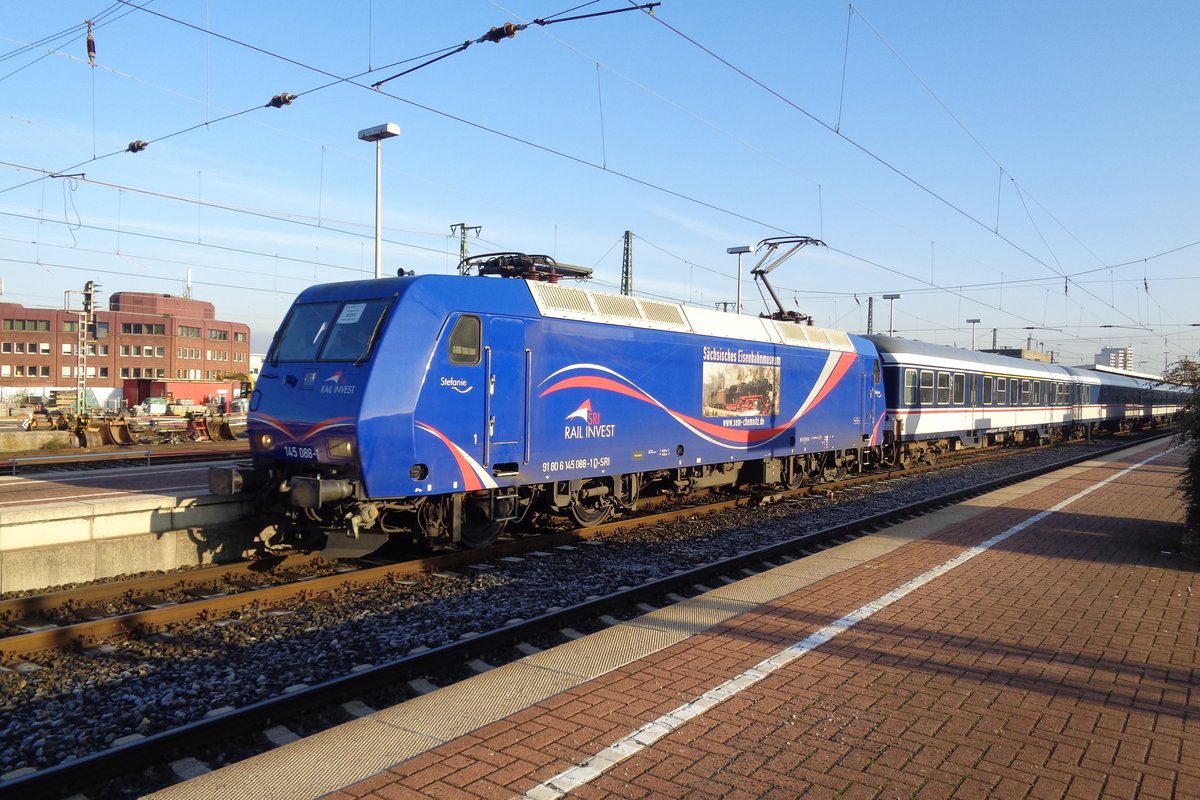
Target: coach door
pixel 872 400
pixel 506 406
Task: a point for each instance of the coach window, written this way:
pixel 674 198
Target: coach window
pixel 943 388
pixel 1026 393
pixel 465 341
pixel 987 390
pixel 1036 393
pixel 927 387
pixel 910 387
pixel 1001 391
pixel 960 389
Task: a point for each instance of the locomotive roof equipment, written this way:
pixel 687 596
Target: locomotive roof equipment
pixel 760 272
pixel 523 265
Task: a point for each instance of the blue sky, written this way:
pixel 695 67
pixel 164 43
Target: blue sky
pixel 1032 165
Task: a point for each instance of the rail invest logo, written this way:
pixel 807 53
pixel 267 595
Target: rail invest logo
pixel 333 385
pixel 584 423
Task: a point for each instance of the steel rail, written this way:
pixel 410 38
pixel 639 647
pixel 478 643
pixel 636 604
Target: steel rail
pixel 88 632
pixel 150 456
pixel 115 761
pixel 14 608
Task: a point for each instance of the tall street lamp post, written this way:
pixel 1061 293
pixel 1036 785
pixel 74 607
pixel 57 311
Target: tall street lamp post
pixel 377 135
pixel 973 323
pixel 739 250
pixel 891 298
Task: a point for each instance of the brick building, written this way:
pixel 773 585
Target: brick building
pixel 140 335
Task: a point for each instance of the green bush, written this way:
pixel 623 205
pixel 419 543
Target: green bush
pixel 1186 373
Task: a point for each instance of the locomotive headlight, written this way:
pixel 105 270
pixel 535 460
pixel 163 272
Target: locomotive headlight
pixel 340 448
pixel 265 441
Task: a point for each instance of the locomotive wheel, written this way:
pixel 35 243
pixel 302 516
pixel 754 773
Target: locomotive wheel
pixel 794 479
pixel 833 470
pixel 478 529
pixel 834 473
pixel 589 513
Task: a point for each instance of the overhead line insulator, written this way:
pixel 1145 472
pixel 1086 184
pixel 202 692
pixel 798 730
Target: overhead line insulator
pixel 506 31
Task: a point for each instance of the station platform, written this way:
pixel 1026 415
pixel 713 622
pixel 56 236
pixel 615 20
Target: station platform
pixel 1037 641
pixel 72 525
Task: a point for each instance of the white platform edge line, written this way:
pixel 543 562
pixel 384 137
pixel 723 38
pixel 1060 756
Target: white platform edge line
pixel 654 730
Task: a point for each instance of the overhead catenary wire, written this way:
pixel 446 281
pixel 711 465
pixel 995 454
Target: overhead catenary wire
pixel 601 166
pixel 866 151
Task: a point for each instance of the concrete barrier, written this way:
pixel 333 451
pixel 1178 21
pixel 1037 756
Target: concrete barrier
pixel 77 541
pixel 19 441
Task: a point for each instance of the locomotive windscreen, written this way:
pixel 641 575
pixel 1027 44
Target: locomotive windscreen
pixel 342 331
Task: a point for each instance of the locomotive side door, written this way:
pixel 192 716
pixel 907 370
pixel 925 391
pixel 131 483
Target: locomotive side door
pixel 506 404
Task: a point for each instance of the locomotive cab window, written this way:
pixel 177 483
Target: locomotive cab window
pixel 465 341
pixel 354 330
pixel 329 331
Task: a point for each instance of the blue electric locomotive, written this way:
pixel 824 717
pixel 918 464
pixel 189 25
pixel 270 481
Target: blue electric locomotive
pixel 442 407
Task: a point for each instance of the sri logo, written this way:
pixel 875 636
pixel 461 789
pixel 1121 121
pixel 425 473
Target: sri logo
pixel 585 414
pixel 584 423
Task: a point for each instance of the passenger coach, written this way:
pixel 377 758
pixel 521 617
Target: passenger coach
pixel 942 398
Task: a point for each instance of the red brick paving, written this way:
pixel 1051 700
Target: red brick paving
pixel 1062 663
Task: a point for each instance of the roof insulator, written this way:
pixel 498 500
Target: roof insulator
pixel 281 100
pixel 136 146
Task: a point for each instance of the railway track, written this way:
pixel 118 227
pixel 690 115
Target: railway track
pixel 494 644
pixel 35 462
pixel 83 617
